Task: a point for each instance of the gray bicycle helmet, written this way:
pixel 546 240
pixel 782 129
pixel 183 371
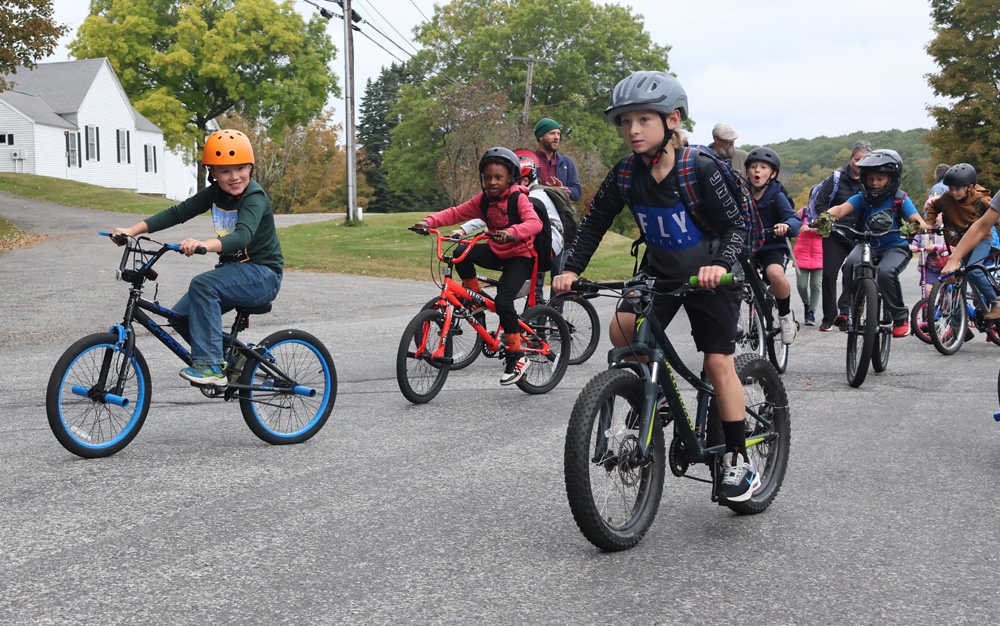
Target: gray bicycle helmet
pixel 960 175
pixel 653 90
pixel 881 222
pixel 503 156
pixel 884 161
pixel 765 155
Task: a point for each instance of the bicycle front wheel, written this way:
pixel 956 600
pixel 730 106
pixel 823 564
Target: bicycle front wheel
pixel 861 330
pixel 466 343
pixel 584 325
pixel 281 415
pixel 550 331
pixel 920 320
pixel 948 317
pixel 883 339
pixel 84 419
pixel 420 378
pixel 767 445
pixel 613 498
pixel 751 322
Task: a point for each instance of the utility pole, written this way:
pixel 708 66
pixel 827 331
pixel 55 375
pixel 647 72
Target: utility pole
pixel 527 88
pixel 353 210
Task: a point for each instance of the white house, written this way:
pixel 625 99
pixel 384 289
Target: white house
pixel 73 120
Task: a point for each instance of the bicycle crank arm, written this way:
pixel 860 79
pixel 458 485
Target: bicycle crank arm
pixel 439 360
pixel 102 397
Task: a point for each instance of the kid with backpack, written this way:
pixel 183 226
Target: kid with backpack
pixel 509 215
pixel 809 255
pixel 684 238
pixel 776 213
pixel 881 172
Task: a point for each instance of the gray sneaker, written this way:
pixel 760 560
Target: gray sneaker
pixel 739 479
pixel 788 329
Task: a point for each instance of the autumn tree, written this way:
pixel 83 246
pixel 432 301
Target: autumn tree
pixel 27 34
pixel 184 63
pixel 302 168
pixel 967 49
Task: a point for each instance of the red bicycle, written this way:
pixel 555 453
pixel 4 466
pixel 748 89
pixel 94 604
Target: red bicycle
pixel 425 355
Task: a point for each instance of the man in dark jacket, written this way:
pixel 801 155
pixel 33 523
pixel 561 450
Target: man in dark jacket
pixel 836 189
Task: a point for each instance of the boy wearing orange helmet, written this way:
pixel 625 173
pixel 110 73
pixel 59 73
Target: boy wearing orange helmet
pixel 250 260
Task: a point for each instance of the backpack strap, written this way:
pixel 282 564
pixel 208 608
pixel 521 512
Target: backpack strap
pixel 513 214
pixel 897 201
pixel 624 178
pixel 836 184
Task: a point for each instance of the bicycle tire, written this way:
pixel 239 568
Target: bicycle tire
pixel 883 339
pixel 281 417
pixel 466 343
pixel 751 321
pixel 919 320
pixel 88 427
pixel 418 378
pixel 764 392
pixel 950 316
pixel 613 503
pixel 862 326
pixel 992 334
pixel 777 350
pixel 545 371
pixel 584 325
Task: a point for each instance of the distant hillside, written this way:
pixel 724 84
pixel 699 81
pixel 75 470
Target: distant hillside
pixel 805 162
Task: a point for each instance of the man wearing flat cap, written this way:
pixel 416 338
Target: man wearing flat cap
pixel 554 169
pixel 724 145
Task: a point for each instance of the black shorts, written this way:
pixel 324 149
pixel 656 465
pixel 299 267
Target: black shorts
pixel 713 316
pixel 771 256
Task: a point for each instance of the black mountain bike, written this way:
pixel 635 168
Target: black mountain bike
pixel 100 389
pixel 759 318
pixel 615 455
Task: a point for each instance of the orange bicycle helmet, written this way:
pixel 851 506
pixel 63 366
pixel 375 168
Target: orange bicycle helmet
pixel 227 147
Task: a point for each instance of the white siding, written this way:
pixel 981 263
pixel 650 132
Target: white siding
pixel 13 123
pixel 151 181
pixel 106 108
pixel 181 177
pixel 49 156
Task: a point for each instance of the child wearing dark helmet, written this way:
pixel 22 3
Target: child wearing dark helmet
pixel 961 206
pixel 250 260
pixel 499 170
pixel 763 165
pixel 649 106
pixel 881 173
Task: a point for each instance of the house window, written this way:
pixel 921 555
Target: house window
pixel 150 153
pixel 71 151
pixel 122 146
pixel 93 143
pixel 3 138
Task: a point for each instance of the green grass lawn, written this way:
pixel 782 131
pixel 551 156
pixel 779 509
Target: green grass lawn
pixel 73 193
pixel 379 246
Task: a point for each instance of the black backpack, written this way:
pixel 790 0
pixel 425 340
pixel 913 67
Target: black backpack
pixel 541 243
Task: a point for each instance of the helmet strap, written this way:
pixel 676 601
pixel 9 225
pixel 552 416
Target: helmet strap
pixel 668 133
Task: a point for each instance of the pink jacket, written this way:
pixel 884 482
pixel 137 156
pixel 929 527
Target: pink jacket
pixel 808 248
pixel 496 219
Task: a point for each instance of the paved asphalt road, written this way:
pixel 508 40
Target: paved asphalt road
pixel 455 511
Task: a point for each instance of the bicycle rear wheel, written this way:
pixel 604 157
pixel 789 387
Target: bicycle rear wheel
pixel 920 320
pixel 83 419
pixel 282 416
pixel 419 377
pixel 883 338
pixel 466 343
pixel 764 394
pixel 613 499
pixel 545 370
pixel 861 330
pixel 751 322
pixel 949 317
pixel 584 325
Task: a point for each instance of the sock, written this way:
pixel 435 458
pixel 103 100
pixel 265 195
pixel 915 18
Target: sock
pixel 784 306
pixel 472 284
pixel 513 342
pixel 735 434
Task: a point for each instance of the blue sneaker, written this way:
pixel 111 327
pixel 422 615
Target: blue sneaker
pixel 739 480
pixel 206 375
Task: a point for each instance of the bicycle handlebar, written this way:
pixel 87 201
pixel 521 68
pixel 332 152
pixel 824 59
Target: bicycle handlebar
pixel 442 238
pixel 123 240
pixel 583 285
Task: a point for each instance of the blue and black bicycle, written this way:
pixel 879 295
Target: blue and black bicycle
pixel 100 389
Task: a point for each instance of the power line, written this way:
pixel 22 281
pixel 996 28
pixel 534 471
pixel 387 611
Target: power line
pixel 421 12
pixel 377 12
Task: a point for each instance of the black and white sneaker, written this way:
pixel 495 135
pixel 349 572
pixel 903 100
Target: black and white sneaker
pixel 517 363
pixel 739 479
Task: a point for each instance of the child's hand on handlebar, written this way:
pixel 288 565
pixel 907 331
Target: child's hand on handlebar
pixel 422 225
pixel 502 236
pixel 953 265
pixel 709 276
pixel 780 229
pixel 458 233
pixel 190 246
pixel 563 282
pixel 823 224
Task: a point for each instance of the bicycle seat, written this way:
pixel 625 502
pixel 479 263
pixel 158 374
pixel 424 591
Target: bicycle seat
pixel 255 310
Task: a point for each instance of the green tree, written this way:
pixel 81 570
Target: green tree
pixel 593 46
pixel 184 63
pixel 27 33
pixel 967 49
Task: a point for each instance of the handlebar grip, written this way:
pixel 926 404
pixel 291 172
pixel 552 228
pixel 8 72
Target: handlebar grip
pixel 582 285
pixel 200 250
pixel 727 280
pixel 419 231
pixel 118 239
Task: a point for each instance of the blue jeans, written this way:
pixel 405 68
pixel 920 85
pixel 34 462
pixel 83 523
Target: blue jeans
pixel 977 278
pixel 215 292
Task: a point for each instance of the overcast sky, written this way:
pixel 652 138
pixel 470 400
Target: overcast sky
pixel 775 69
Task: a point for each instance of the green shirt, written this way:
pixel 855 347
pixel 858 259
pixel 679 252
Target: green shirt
pixel 244 225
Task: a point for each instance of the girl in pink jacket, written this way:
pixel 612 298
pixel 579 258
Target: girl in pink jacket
pixel 809 255
pixel 513 223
